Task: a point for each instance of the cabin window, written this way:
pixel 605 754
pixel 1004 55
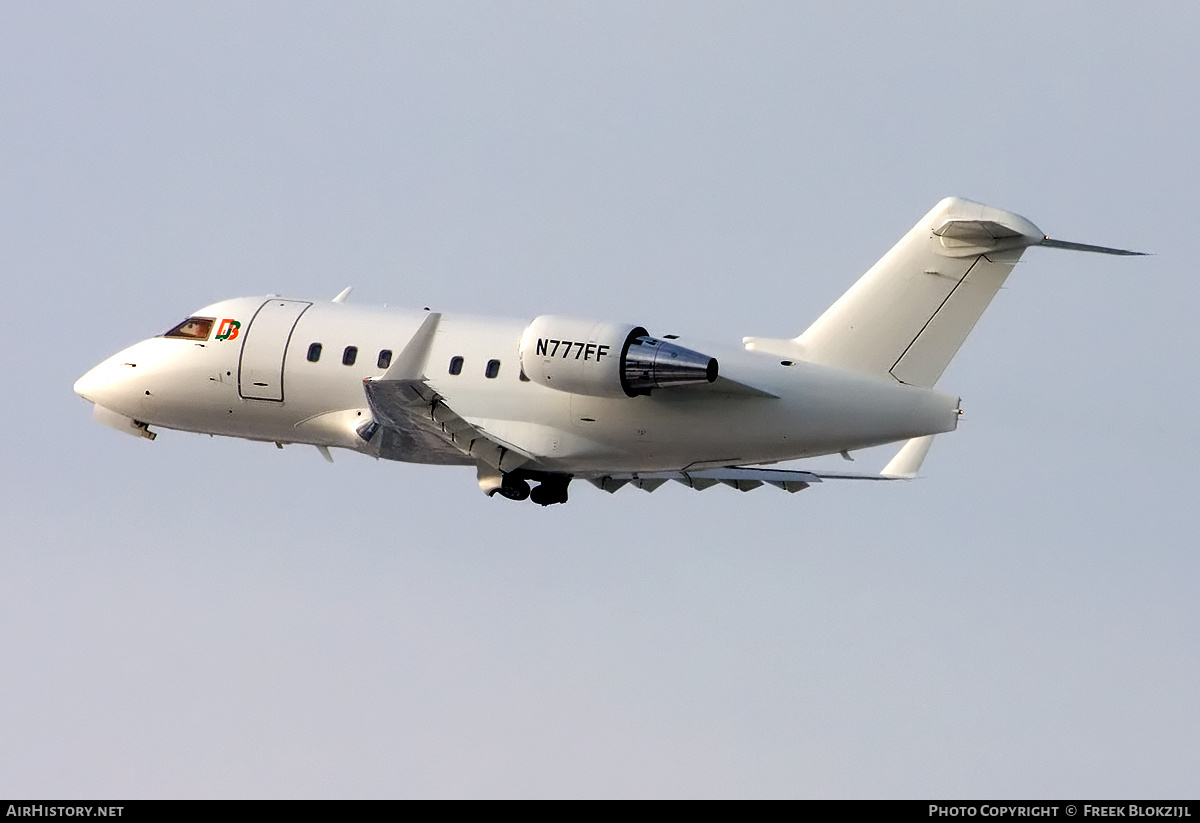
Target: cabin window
pixel 194 328
pixel 493 368
pixel 456 365
pixel 314 352
pixel 385 359
pixel 349 355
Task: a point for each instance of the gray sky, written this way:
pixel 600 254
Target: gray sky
pixel 202 617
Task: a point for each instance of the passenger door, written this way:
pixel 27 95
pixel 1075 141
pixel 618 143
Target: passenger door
pixel 260 372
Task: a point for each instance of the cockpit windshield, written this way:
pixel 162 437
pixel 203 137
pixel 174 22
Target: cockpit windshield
pixel 194 328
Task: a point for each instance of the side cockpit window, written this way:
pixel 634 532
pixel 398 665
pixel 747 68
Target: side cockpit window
pixel 194 328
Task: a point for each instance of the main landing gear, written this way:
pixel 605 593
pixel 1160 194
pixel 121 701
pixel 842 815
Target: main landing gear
pixel 550 488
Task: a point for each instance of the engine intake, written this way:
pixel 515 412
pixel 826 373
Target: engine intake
pixel 607 359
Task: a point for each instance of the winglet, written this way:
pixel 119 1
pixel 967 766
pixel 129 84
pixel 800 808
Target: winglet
pixel 343 294
pixel 908 460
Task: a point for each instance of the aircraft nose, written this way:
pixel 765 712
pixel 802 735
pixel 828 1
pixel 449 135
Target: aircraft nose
pixel 107 383
pixel 89 386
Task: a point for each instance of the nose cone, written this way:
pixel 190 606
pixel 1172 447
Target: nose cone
pixel 146 380
pixel 108 384
pixel 89 386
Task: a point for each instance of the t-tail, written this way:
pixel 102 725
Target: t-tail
pixel 907 317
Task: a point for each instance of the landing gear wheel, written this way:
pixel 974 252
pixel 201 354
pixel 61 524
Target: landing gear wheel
pixel 550 492
pixel 513 488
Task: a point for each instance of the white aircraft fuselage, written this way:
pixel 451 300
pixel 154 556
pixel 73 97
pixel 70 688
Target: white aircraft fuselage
pixel 555 398
pixel 210 386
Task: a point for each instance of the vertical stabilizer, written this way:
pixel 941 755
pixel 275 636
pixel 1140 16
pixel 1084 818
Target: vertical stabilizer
pixel 908 315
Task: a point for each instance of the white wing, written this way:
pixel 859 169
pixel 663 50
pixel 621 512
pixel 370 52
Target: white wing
pixel 413 422
pixel 904 466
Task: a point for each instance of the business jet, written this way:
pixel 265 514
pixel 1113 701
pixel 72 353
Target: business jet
pixel 533 405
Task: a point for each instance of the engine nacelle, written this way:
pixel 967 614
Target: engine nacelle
pixel 607 359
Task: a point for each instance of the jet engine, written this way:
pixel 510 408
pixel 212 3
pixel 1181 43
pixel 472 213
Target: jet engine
pixel 607 359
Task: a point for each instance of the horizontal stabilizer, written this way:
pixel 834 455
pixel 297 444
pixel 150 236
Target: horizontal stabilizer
pixel 1065 244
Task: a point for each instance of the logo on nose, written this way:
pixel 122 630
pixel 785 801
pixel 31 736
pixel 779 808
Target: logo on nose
pixel 228 330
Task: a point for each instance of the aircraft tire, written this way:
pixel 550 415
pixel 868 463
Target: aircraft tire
pixel 549 493
pixel 513 488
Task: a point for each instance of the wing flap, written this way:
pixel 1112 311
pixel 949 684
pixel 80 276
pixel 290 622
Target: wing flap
pixel 414 406
pixel 903 466
pixel 742 478
pixel 417 423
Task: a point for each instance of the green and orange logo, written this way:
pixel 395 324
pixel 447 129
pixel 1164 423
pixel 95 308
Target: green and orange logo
pixel 228 330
